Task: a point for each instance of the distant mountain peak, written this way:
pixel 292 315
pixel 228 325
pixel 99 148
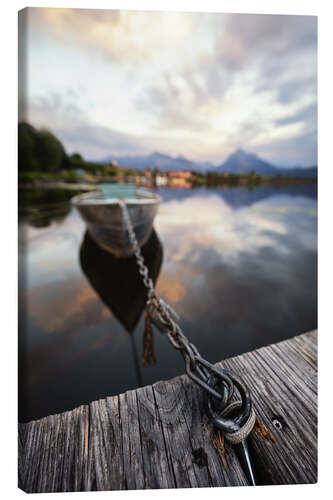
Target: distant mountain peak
pixel 156 154
pixel 241 162
pixel 241 153
pixel 238 162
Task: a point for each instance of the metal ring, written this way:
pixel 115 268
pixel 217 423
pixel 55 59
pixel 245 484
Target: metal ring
pixel 225 423
pixel 220 373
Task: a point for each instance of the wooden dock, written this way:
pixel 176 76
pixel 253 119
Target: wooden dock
pixel 158 437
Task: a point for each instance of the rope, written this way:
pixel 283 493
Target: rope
pixel 243 432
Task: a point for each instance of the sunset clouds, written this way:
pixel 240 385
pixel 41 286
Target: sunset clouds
pixel 200 85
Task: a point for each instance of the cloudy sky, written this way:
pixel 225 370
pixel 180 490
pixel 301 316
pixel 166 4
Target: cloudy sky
pixel 197 85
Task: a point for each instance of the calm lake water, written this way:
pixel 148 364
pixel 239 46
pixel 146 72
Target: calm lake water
pixel 238 266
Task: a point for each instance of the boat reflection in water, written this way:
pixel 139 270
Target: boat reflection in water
pixel 119 284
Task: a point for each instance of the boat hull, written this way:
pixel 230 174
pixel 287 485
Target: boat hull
pixel 106 225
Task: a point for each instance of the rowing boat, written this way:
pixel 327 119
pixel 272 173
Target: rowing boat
pixel 103 215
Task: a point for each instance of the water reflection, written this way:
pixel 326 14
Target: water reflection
pixel 239 267
pixel 42 217
pixel 243 275
pixel 119 284
pixel 40 207
pixel 117 281
pixel 239 196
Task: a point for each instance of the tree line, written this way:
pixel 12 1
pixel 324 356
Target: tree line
pixel 42 156
pixel 40 151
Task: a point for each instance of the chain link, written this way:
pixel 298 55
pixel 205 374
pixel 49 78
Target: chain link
pixel 235 418
pixel 217 383
pixel 197 368
pixel 143 270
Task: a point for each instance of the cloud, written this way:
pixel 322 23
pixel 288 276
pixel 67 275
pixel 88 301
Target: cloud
pixel 199 85
pixel 294 151
pixel 290 90
pixel 96 140
pixel 79 134
pixel 123 36
pixel 271 45
pixel 269 39
pixel 245 89
pixel 171 100
pixel 307 115
pixel 76 131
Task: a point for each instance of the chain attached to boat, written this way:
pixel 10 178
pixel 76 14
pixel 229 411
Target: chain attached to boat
pixel 235 417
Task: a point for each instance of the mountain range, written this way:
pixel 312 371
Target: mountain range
pixel 238 162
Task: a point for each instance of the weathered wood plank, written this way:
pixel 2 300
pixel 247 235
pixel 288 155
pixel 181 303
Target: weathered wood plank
pixel 283 384
pixel 134 474
pixel 159 437
pixel 181 413
pixel 170 404
pixel 156 462
pixel 106 443
pixel 201 434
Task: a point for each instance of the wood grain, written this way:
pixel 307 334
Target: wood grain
pixel 158 436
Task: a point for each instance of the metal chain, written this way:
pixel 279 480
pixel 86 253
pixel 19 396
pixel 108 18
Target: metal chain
pixel 143 270
pixel 235 418
pixel 218 383
pixel 197 368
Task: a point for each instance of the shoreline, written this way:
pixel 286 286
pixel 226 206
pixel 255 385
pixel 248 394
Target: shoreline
pixel 77 186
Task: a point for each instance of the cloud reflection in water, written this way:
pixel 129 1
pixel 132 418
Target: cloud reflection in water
pixel 239 267
pixel 249 272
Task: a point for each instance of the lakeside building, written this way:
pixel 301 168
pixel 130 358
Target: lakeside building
pixel 161 179
pixel 181 179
